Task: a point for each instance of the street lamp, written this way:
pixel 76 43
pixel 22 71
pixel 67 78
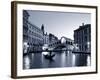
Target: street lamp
pixel 25 47
pixel 76 47
pixel 88 46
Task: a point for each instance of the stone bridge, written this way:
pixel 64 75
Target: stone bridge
pixel 63 43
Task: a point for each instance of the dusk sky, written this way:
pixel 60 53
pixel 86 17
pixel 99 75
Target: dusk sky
pixel 59 23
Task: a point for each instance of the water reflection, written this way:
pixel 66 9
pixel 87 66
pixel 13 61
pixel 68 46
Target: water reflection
pixel 26 62
pixel 73 60
pixel 61 59
pixel 88 60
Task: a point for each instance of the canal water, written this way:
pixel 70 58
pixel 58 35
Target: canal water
pixel 61 59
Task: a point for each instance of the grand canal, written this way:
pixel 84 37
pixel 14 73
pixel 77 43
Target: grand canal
pixel 61 59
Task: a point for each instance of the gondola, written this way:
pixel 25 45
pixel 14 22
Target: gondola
pixel 49 56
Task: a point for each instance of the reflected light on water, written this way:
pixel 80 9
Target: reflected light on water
pixel 88 61
pixel 63 58
pixel 73 60
pixel 42 59
pixel 44 53
pixel 26 62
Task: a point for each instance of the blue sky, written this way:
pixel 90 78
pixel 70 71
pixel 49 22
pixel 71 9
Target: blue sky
pixel 59 23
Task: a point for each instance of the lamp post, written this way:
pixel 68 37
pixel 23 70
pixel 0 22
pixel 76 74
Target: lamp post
pixel 76 47
pixel 25 47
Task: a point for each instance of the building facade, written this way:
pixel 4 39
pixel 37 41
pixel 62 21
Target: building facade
pixel 32 35
pixel 82 38
pixel 35 37
pixel 46 38
pixel 25 26
pixel 45 35
pixel 52 38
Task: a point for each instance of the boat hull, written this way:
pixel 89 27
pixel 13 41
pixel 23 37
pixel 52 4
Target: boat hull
pixel 49 56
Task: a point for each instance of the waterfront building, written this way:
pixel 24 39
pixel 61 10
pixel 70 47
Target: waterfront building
pixel 82 38
pixel 35 37
pixel 32 35
pixel 25 26
pixel 52 38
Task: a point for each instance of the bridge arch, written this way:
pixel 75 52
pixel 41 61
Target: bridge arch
pixel 65 40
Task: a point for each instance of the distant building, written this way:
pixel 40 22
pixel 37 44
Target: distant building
pixel 52 38
pixel 82 38
pixel 32 35
pixel 46 38
pixel 45 35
